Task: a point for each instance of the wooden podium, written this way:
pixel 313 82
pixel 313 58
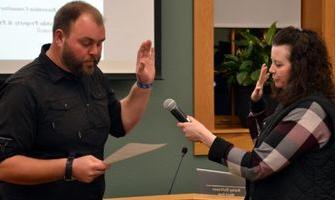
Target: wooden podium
pixel 192 196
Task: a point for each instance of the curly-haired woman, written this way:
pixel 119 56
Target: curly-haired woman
pixel 294 152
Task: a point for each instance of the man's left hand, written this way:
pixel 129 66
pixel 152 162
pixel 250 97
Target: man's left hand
pixel 145 65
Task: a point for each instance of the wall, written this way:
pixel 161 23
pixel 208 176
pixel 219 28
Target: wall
pixel 256 13
pixel 153 172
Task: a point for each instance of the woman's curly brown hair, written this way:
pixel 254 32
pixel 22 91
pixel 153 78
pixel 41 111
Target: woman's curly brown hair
pixel 311 69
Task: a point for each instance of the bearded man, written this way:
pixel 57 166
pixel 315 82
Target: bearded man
pixel 57 112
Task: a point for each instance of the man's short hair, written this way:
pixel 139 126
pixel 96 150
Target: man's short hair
pixel 71 11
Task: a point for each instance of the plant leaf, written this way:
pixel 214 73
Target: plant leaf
pixel 264 57
pixel 249 50
pixel 270 33
pixel 248 82
pixel 230 65
pixel 245 65
pixel 245 53
pixel 254 75
pixel 242 43
pixel 231 57
pixel 241 77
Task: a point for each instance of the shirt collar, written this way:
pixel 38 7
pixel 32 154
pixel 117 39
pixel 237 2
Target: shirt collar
pixel 55 72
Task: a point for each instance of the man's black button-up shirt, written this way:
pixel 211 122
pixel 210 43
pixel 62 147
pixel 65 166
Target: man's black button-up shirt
pixel 48 113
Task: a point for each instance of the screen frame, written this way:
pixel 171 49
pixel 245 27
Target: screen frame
pixel 157 45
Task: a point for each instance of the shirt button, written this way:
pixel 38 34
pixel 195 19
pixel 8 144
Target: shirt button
pixel 88 105
pixel 65 105
pixel 79 135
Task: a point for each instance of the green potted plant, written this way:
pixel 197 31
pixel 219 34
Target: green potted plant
pixel 242 68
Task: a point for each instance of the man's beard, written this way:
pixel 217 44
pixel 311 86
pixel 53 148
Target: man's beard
pixel 78 67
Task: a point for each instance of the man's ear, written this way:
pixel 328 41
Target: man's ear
pixel 59 37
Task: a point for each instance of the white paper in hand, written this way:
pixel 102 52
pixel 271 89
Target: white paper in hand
pixel 130 150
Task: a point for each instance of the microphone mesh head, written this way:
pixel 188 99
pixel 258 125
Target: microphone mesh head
pixel 169 104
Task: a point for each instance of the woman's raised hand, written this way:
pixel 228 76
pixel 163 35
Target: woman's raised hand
pixel 258 91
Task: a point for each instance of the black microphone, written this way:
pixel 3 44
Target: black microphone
pixel 171 105
pixel 183 153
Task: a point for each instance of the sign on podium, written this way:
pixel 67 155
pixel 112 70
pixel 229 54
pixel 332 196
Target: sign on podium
pixel 192 196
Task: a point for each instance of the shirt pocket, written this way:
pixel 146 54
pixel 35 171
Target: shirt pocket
pixel 58 108
pixel 65 117
pixel 99 121
pixel 99 109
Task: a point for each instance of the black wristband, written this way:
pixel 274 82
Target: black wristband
pixel 68 169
